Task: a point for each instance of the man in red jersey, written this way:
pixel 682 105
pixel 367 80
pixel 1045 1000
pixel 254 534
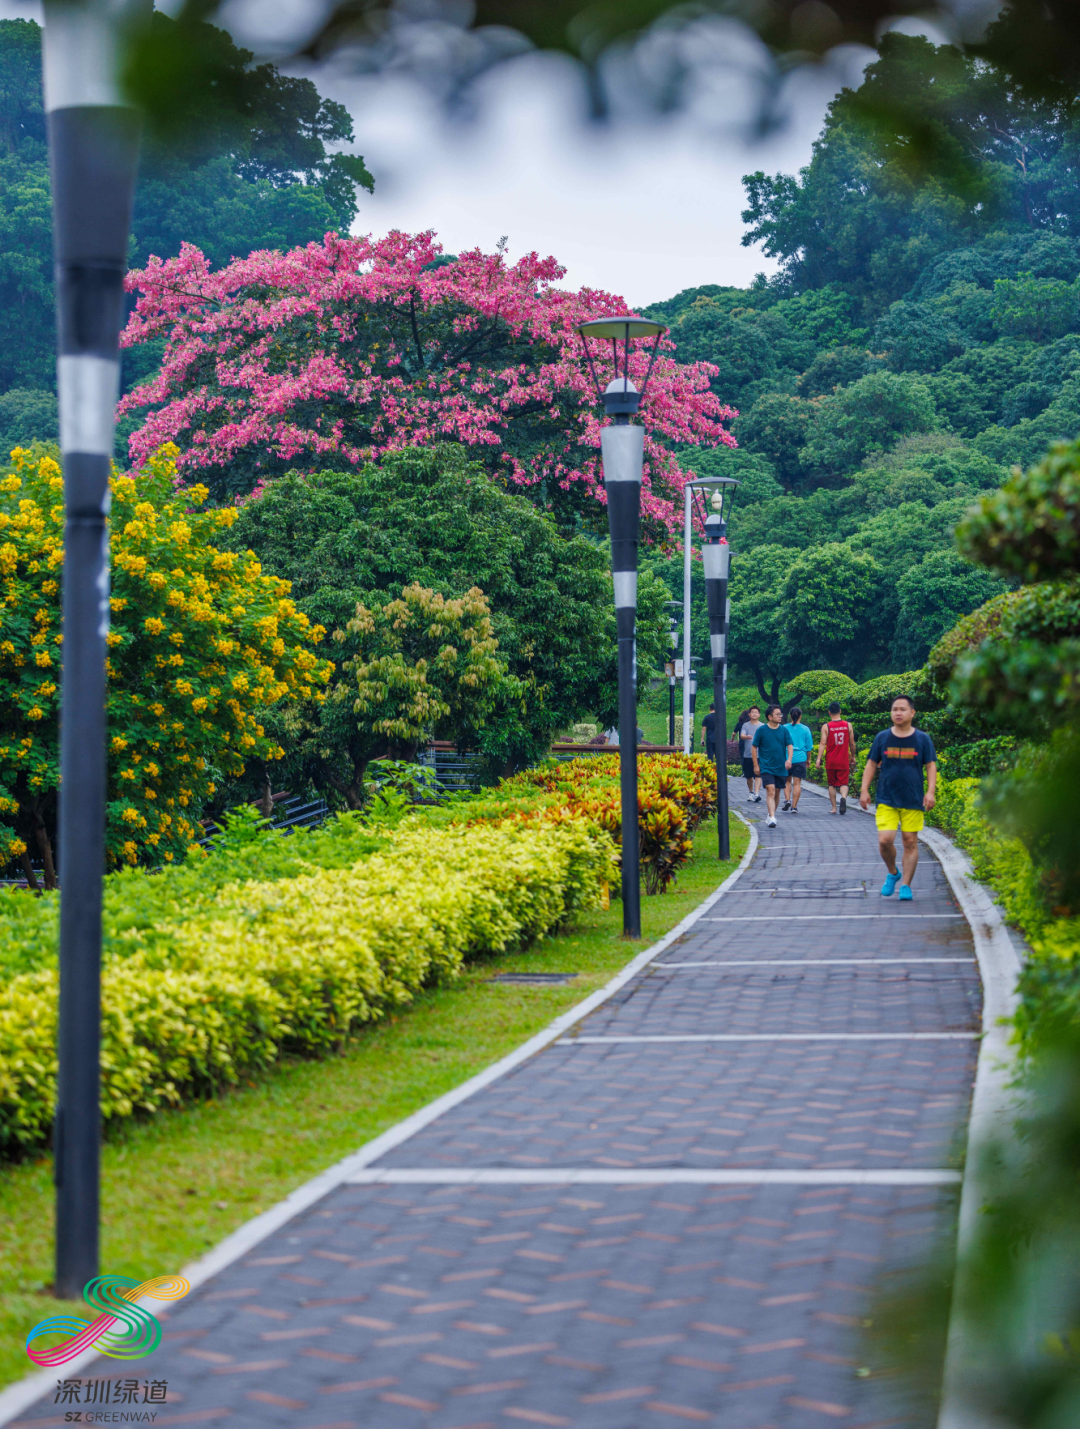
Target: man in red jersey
pixel 837 748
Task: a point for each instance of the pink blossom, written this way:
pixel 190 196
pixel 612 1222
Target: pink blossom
pixel 356 346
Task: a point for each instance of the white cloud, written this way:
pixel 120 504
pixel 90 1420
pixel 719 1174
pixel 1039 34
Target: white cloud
pixel 639 208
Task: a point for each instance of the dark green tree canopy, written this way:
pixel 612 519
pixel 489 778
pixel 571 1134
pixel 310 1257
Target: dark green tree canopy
pixel 250 167
pixel 881 199
pixel 271 128
pixel 432 516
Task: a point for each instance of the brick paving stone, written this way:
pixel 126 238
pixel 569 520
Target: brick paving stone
pixel 716 1299
pixel 829 999
pixel 877 1104
pixel 620 1306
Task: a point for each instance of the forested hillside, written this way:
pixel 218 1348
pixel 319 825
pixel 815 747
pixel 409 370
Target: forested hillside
pixel 922 335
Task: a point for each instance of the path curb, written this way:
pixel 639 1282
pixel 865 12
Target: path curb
pixel 993 1101
pixel 24 1392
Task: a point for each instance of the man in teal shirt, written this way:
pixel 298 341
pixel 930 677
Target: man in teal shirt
pixel 802 744
pixel 772 751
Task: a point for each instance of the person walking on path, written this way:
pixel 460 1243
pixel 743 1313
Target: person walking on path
pixel 837 748
pixel 901 753
pixel 747 730
pixel 708 733
pixel 802 742
pixel 772 751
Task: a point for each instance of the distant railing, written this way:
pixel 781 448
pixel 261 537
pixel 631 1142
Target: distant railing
pixel 575 751
pixel 290 812
pixel 456 772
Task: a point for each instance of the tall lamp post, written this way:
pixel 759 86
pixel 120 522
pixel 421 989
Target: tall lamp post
pixel 93 149
pixel 688 548
pixel 716 558
pixel 673 641
pixel 622 449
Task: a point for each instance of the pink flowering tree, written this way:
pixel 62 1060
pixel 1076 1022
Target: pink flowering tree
pixel 337 352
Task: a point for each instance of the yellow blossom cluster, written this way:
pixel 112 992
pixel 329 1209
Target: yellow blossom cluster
pixel 200 640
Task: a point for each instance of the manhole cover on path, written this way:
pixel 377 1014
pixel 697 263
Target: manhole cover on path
pixel 539 979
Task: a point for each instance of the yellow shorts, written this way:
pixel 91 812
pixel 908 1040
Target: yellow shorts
pixel 910 820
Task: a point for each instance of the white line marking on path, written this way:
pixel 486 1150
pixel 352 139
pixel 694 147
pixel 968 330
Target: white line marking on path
pixel 778 1037
pixel 787 888
pixel 597 1176
pixel 24 1392
pixel 811 962
pixel 821 917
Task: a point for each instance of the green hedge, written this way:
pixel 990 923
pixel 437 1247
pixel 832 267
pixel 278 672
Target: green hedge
pixel 1050 983
pixel 997 859
pixel 194 993
pixel 138 902
pixel 977 757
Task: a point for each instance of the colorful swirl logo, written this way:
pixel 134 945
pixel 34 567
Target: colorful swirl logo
pixel 113 1295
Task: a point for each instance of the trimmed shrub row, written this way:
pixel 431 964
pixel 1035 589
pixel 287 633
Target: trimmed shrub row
pixel 232 980
pixel 1050 983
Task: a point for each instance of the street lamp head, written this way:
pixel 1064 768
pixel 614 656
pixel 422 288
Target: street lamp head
pixel 618 329
pixel 621 398
pixel 723 490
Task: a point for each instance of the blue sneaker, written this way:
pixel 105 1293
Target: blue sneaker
pixel 888 888
pixel 906 894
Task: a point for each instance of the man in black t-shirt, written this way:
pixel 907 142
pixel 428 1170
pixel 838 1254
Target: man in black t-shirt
pixel 708 732
pixel 900 753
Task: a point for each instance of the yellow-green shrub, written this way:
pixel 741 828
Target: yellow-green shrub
pixel 996 858
pixel 1049 985
pixel 294 964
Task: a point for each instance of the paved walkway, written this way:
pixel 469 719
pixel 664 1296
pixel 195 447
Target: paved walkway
pixel 805 1028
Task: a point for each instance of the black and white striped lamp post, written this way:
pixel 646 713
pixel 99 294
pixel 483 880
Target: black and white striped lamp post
pixel 622 449
pixel 93 150
pixel 716 559
pixel 673 641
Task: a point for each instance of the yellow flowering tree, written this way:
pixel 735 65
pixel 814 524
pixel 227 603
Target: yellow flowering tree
pixel 200 641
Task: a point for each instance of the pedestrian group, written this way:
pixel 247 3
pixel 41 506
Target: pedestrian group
pixel 775 755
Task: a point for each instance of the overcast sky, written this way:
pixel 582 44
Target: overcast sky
pixel 640 209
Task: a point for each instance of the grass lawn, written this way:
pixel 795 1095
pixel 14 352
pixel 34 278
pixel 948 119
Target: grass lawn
pixel 176 1184
pixel 653 707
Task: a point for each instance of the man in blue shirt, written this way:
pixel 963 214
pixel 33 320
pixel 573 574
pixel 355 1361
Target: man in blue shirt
pixel 772 751
pixel 802 744
pixel 900 754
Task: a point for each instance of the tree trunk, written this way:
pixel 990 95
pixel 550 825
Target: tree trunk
pixel 774 681
pixel 27 868
pixel 45 849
